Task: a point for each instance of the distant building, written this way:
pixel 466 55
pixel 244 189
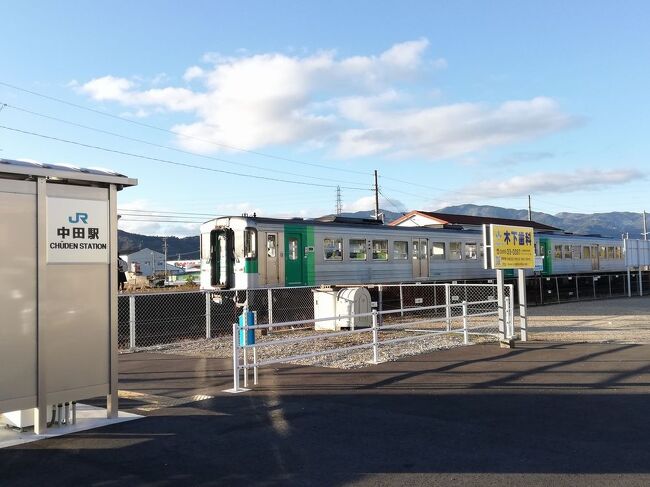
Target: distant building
pixel 191 270
pixel 147 262
pixel 431 219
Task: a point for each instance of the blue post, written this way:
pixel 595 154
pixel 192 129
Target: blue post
pixel 250 338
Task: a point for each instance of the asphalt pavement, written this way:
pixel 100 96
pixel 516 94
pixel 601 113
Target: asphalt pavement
pixel 539 414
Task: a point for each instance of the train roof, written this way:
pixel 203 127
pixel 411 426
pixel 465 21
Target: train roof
pixel 352 223
pixel 347 222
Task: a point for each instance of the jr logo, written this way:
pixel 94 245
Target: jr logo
pixel 79 217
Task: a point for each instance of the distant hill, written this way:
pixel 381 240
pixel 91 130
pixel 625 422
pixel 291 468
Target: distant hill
pixel 187 247
pixel 611 224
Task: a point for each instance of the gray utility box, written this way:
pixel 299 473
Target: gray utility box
pixel 58 286
pixel 342 304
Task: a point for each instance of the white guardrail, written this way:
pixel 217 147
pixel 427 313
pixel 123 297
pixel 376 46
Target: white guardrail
pixel 243 361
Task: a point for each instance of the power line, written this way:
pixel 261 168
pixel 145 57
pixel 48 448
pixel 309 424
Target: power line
pixel 159 221
pixel 178 134
pixel 174 163
pixel 166 212
pixel 160 146
pixel 399 210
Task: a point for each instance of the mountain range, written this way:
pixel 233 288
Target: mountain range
pixel 612 224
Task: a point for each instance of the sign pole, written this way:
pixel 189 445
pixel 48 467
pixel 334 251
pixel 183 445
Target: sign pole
pixel 523 305
pixel 501 308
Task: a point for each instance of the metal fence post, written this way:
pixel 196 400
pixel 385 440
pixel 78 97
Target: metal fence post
pixel 557 290
pixel 465 330
pixel 208 317
pixel 609 278
pixel 132 322
pixel 269 298
pixel 401 299
pixel 375 338
pixel 593 284
pixel 235 357
pixel 245 327
pixel 508 319
pixel 381 302
pixel 448 305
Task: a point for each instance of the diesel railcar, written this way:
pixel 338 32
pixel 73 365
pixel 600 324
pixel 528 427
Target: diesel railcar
pixel 245 252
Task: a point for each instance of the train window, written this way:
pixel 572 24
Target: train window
pixel 619 254
pixel 293 248
pixel 610 252
pixel 416 251
pixel 250 243
pixel 586 252
pixel 481 250
pixel 357 249
pixel 455 251
pixel 333 248
pixel 470 251
pixel 603 252
pixel 400 250
pixel 575 250
pixel 557 252
pixel 438 251
pixel 567 252
pixel 271 247
pixel 380 250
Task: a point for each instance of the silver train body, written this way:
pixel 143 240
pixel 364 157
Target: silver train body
pixel 251 252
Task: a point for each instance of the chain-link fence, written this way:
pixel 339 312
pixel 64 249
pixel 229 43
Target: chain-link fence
pixel 541 290
pixel 147 320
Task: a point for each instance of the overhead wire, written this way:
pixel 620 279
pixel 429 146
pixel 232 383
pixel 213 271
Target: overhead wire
pixel 179 134
pixel 175 163
pixel 162 146
pixel 165 212
pixel 399 210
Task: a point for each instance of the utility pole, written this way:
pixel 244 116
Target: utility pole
pixel 376 197
pixel 339 203
pixel 165 247
pixel 530 211
pixel 645 227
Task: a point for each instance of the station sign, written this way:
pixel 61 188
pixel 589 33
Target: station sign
pixel 508 247
pixel 77 231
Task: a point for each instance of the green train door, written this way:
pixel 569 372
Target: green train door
pixel 294 257
pixel 546 251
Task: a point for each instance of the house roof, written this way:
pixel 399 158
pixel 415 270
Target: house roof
pixel 452 219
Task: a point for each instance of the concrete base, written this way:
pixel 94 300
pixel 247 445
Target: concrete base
pixel 236 391
pixel 507 343
pixel 88 417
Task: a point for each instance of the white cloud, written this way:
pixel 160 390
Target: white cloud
pixel 193 72
pixel 540 183
pixel 110 88
pixel 446 131
pixel 364 105
pixel 368 203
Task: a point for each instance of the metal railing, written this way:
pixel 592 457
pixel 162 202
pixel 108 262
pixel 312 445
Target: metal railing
pixel 148 320
pixel 463 318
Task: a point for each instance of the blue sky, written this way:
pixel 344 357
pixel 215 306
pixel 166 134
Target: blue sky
pixel 452 102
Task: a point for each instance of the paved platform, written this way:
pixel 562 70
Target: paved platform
pixel 561 413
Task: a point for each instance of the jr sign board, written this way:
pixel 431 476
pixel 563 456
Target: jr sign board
pixel 77 231
pixel 509 247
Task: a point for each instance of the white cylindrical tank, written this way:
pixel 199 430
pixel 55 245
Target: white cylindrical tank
pixel 353 301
